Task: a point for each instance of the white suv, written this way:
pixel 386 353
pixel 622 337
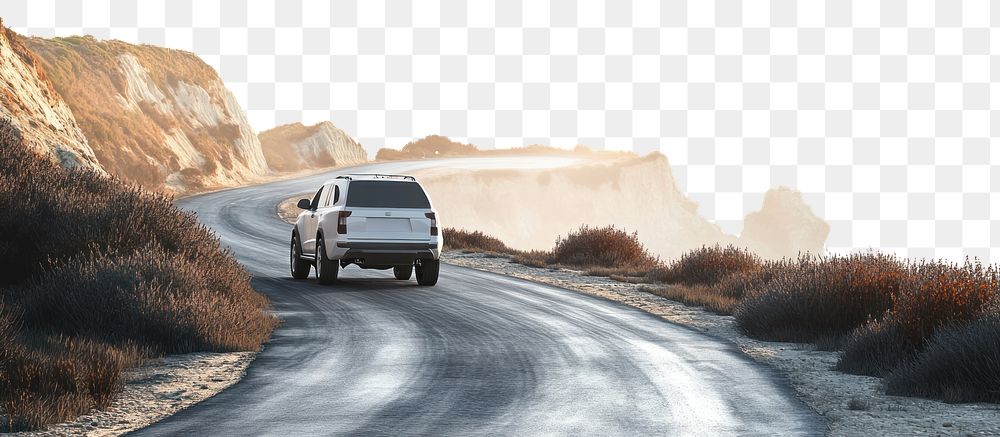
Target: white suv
pixel 376 221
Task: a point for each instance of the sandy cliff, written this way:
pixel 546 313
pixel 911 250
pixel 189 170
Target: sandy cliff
pixel 528 209
pixel 294 147
pixel 155 116
pixel 31 103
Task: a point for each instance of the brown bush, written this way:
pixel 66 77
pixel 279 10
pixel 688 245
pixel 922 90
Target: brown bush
pixel 473 241
pixel 706 265
pixel 941 294
pixel 873 349
pixel 720 296
pixel 604 247
pixel 961 363
pixel 818 298
pixel 934 296
pixel 95 275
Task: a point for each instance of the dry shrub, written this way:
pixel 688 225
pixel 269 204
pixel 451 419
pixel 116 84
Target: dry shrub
pixel 600 251
pixel 473 241
pixel 601 247
pixel 533 258
pixel 723 295
pixel 961 363
pixel 96 275
pixel 816 298
pixel 873 349
pixel 45 380
pixel 935 295
pixel 157 299
pixel 942 294
pixel 706 265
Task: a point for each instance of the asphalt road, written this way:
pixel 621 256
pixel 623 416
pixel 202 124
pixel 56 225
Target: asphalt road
pixel 477 354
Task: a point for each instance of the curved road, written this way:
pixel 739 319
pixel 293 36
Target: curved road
pixel 477 354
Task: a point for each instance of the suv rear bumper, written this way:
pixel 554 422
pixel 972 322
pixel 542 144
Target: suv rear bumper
pixel 386 246
pixel 381 255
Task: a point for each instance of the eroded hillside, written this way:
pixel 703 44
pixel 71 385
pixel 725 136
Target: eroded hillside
pixel 155 116
pixel 36 110
pixel 293 147
pixel 528 209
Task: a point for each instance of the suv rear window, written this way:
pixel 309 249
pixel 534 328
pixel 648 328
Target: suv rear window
pixel 386 194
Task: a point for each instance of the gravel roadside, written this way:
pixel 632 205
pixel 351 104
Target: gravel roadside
pixel 853 405
pixel 156 390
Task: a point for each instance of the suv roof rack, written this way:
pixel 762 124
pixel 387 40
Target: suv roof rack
pixel 378 176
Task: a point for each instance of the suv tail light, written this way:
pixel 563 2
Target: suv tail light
pixel 342 221
pixel 434 222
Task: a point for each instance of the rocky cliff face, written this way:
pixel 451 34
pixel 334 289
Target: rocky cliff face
pixel 294 147
pixel 155 116
pixel 36 110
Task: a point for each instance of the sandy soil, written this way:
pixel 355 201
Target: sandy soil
pixel 853 405
pixel 288 210
pixel 159 389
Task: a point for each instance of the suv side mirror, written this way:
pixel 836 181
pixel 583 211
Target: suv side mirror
pixel 304 204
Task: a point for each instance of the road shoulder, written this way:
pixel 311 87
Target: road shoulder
pixel 852 405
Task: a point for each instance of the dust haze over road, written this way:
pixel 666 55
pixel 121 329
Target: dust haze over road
pixel 477 354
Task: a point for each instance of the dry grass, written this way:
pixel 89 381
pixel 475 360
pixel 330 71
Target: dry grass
pixel 817 298
pixel 705 296
pixel 474 241
pixel 96 275
pixel 707 265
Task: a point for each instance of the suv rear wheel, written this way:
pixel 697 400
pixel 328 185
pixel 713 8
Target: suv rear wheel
pixel 403 273
pixel 300 267
pixel 427 271
pixel 326 269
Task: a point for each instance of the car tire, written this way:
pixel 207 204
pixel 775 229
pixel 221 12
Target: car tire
pixel 326 269
pixel 427 272
pixel 300 267
pixel 403 273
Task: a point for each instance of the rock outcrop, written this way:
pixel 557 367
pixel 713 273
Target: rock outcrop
pixel 155 116
pixel 784 226
pixel 293 147
pixel 36 110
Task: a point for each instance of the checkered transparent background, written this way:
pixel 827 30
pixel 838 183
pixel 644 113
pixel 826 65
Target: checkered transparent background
pixel 881 112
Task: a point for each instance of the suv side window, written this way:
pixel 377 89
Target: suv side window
pixel 324 200
pixel 336 194
pixel 315 202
